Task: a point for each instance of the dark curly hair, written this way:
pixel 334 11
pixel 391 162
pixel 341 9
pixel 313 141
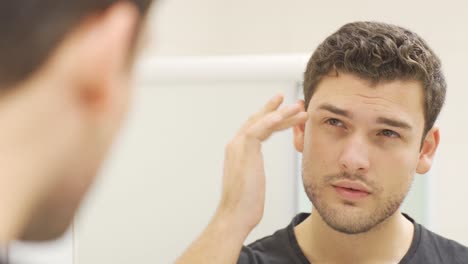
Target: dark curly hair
pixel 31 29
pixel 379 52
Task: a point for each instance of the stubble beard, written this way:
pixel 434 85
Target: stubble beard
pixel 346 216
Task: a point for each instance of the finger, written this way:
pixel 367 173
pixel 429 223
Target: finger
pixel 302 104
pixel 298 119
pixel 263 128
pixel 290 110
pixel 270 106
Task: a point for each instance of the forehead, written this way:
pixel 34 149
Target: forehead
pixel 398 98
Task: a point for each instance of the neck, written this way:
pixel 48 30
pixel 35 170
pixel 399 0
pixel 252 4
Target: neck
pixel 32 144
pixel 386 243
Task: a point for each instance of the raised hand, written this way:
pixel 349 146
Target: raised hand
pixel 244 175
pixel 243 196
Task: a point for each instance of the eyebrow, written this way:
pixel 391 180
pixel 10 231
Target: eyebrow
pixel 394 123
pixel 380 120
pixel 335 110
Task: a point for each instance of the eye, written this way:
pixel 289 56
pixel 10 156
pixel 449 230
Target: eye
pixel 389 133
pixel 335 122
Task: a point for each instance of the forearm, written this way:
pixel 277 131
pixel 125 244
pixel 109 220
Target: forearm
pixel 220 243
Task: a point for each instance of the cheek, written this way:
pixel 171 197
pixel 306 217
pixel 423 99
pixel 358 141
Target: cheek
pixel 320 154
pixel 394 170
pixel 321 143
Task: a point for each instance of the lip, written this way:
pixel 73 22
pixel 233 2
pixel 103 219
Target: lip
pixel 351 190
pixel 354 185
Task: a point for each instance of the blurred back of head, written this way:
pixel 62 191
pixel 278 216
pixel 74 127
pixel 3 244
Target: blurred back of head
pixel 30 30
pixel 64 89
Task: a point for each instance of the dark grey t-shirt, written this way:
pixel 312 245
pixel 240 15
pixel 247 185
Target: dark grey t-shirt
pixel 282 247
pixel 3 256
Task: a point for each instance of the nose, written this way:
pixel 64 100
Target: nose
pixel 354 159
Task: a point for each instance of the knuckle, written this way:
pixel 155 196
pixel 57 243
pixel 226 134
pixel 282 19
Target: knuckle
pixel 252 118
pixel 249 133
pixel 274 120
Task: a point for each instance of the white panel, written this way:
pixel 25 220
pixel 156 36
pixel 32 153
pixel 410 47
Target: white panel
pixel 196 69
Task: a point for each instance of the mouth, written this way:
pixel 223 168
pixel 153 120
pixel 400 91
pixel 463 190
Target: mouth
pixel 351 190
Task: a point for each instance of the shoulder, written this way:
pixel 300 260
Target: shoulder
pixel 265 249
pixel 443 249
pixel 280 247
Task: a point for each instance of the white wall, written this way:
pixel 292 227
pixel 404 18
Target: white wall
pixel 213 27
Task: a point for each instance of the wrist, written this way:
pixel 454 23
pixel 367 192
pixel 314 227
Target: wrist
pixel 233 224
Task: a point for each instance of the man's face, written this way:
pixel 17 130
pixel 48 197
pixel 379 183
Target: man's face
pixel 361 148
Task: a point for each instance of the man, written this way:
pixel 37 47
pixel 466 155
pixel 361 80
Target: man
pixel 373 92
pixel 65 69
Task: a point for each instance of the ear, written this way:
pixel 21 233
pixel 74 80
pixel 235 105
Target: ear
pixel 95 56
pixel 428 150
pixel 298 131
